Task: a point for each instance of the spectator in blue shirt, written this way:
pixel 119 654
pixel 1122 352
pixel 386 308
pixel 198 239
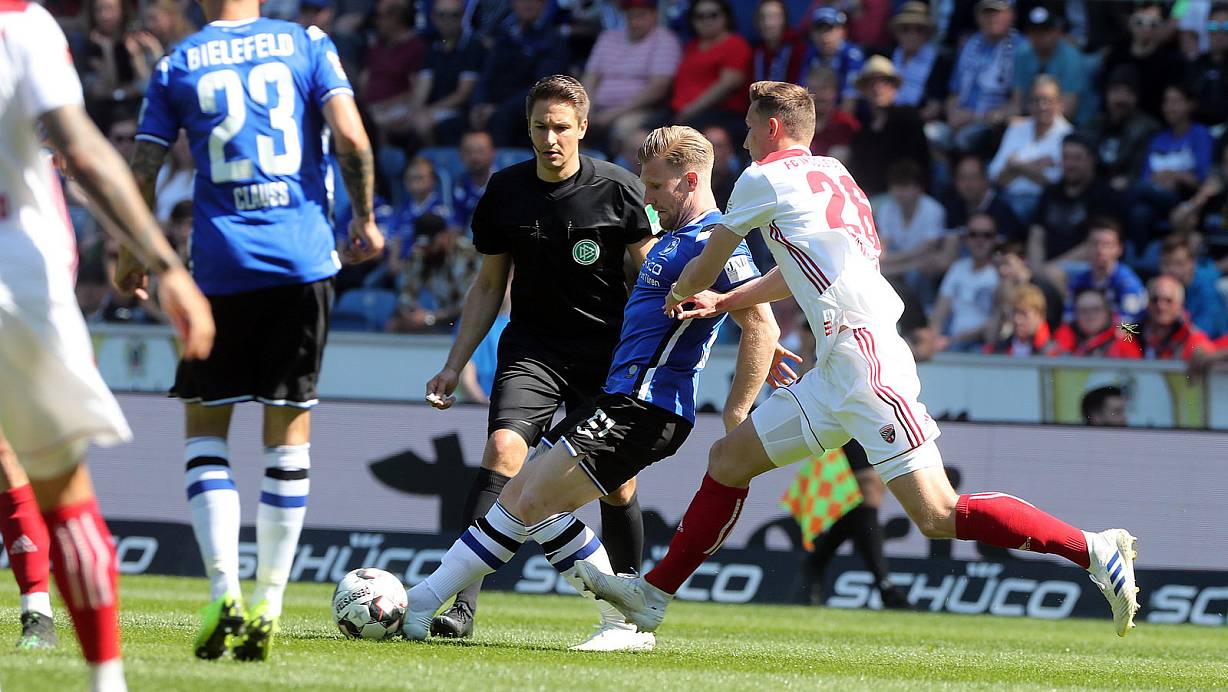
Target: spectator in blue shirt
pixel 527 48
pixel 1202 301
pixel 477 153
pixel 424 198
pixel 981 85
pixel 1178 161
pixel 1108 274
pixel 1047 51
pixel 829 47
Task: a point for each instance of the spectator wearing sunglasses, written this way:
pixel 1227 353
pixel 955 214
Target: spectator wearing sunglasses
pixel 924 68
pixel 1209 75
pixel 1151 50
pixel 964 309
pixel 1167 333
pixel 710 87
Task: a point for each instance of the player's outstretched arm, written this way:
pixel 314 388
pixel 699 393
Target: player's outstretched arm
pixel 482 304
pixel 703 270
pixel 358 173
pixel 104 176
pixel 768 288
pixel 756 350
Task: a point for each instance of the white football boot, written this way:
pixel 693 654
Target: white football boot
pixel 642 603
pixel 618 636
pixel 1112 556
pixel 419 609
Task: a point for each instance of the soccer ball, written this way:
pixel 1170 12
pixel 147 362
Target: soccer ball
pixel 369 604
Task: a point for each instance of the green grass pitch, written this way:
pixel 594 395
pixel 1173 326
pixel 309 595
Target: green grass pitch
pixel 521 644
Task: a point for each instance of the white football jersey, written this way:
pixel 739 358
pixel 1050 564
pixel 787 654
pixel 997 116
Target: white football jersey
pixel 36 76
pixel 818 224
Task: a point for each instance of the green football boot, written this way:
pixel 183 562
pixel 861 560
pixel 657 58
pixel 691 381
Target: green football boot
pixel 257 640
pixel 221 623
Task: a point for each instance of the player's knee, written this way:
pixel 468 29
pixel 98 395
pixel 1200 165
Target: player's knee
pixel 531 506
pixel 936 522
pixel 724 466
pixel 505 452
pixel 621 497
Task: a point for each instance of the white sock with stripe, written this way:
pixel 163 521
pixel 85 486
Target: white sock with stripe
pixel 214 505
pixel 279 520
pixel 565 539
pixel 483 548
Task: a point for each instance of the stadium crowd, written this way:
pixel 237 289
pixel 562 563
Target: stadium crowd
pixel 1041 173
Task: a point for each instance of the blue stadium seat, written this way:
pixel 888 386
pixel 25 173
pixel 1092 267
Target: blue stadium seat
pixel 509 155
pixel 447 162
pixel 364 310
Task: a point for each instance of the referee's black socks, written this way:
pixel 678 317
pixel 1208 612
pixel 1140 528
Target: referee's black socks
pixel 482 496
pixel 622 533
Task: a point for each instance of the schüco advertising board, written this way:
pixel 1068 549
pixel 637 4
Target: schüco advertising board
pixel 389 481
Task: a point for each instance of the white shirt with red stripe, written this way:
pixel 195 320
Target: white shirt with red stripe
pixel 36 77
pixel 818 224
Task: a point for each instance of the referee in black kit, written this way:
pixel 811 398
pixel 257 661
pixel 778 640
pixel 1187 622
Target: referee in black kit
pixel 564 223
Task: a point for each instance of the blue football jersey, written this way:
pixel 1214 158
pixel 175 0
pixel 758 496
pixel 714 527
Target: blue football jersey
pixel 250 95
pixel 658 358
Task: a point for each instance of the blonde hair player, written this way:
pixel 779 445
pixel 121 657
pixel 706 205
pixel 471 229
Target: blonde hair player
pixel 644 412
pixel 864 384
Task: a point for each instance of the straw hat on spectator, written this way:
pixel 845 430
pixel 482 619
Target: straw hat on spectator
pixel 875 68
pixel 913 13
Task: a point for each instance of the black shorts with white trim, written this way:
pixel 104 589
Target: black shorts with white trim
pixel 268 348
pixel 618 436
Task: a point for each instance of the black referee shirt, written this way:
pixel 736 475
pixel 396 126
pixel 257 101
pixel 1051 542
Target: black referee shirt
pixel 567 241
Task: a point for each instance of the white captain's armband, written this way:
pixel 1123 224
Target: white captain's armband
pixel 739 269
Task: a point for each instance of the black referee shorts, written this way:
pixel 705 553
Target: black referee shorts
pixel 617 436
pixel 530 385
pixel 268 348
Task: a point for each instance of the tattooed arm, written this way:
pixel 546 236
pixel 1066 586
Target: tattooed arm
pixel 104 177
pixel 353 151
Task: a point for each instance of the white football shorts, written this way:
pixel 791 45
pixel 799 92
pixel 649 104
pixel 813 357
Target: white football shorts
pixel 866 390
pixel 53 401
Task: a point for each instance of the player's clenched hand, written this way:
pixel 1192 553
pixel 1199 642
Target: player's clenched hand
pixel 131 277
pixel 702 304
pixel 188 311
pixel 439 389
pixel 781 373
pixel 366 242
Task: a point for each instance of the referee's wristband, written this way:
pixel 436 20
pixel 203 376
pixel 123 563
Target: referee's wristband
pixel 673 293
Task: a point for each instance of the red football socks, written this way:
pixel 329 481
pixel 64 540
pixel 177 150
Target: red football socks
pixel 1006 521
pixel 705 526
pixel 85 574
pixel 25 539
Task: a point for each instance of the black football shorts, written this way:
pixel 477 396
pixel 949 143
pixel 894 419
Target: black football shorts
pixel 617 437
pixel 530 385
pixel 268 348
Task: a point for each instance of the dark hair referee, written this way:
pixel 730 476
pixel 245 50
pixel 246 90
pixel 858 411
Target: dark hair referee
pixel 564 222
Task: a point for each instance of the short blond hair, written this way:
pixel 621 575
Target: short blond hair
pixel 789 103
pixel 680 146
pixel 1029 297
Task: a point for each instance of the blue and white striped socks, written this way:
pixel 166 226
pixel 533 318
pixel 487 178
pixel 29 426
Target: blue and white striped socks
pixel 493 540
pixel 279 520
pixel 214 505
